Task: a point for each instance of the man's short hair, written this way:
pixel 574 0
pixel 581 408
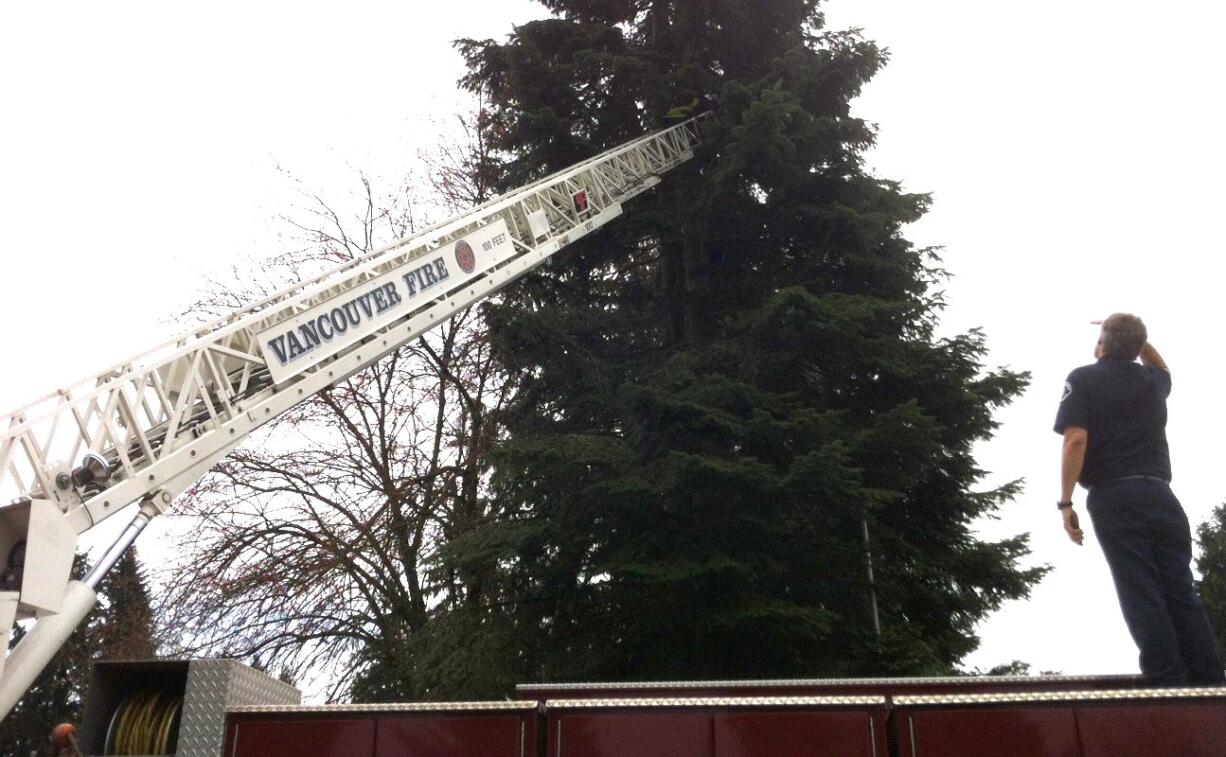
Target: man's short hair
pixel 1123 336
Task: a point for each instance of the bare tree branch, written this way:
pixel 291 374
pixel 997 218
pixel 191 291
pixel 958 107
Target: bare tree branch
pixel 319 545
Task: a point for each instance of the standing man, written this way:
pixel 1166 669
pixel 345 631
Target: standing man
pixel 1113 418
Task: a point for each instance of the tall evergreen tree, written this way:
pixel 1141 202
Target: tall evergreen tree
pixel 1212 566
pixel 728 388
pixel 120 627
pixel 126 629
pixel 58 693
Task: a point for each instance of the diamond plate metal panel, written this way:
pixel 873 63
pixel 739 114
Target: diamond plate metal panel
pixel 969 682
pixel 1206 692
pixel 212 687
pixel 623 703
pixel 391 707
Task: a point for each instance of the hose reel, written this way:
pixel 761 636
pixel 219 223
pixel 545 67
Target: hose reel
pixel 146 722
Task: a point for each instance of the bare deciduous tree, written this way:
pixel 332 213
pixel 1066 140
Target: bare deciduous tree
pixel 319 545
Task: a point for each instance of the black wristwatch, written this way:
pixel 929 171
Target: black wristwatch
pixel 1063 505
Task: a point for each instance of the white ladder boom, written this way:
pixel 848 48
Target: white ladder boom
pixel 146 429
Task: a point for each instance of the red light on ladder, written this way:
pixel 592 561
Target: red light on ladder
pixel 580 199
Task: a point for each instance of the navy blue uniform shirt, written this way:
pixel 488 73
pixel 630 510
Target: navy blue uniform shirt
pixel 1122 406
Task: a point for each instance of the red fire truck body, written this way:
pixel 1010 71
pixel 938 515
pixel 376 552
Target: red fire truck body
pixel 936 717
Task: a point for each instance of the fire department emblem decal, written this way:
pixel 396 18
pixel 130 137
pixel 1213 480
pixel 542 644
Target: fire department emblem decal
pixel 464 256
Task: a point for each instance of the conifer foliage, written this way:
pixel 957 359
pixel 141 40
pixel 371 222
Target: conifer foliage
pixel 120 627
pixel 725 390
pixel 1211 562
pixel 126 630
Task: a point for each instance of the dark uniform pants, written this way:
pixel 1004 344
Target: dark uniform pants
pixel 1145 535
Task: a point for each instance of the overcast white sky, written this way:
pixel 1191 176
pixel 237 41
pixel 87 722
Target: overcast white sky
pixel 1073 151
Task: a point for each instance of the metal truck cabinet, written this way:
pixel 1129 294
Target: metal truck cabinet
pixel 802 733
pixel 971 725
pixel 717 727
pixel 1187 722
pixel 442 729
pixel 1183 722
pixel 194 695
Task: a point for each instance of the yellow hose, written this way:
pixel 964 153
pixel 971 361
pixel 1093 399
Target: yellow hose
pixel 146 723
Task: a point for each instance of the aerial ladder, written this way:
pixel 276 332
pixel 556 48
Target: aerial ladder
pixel 142 432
